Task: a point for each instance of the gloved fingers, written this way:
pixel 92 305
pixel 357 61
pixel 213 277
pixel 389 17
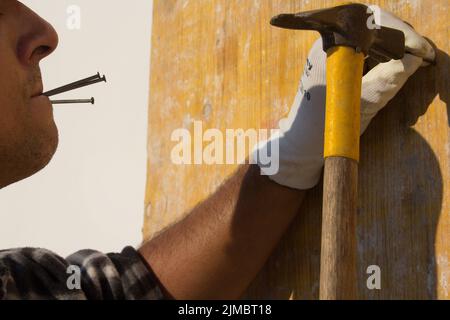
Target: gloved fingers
pixel 415 43
pixel 383 82
pixel 394 71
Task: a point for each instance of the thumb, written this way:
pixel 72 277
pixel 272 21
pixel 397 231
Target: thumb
pixel 382 83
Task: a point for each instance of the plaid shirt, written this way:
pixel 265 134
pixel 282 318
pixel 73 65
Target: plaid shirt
pixel 40 274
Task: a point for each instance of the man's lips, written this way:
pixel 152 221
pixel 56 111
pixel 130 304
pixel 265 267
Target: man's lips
pixel 38 100
pixel 38 91
pixel 36 95
pixel 41 109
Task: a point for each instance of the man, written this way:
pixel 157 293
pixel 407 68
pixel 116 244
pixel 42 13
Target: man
pixel 217 250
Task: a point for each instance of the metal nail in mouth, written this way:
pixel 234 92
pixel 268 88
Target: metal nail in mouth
pixel 75 85
pixel 75 101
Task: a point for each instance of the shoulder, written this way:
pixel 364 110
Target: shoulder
pixel 34 273
pixel 123 275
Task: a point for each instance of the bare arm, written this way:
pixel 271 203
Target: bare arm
pixel 217 250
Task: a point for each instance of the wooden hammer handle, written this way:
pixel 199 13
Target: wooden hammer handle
pixel 341 152
pixel 338 262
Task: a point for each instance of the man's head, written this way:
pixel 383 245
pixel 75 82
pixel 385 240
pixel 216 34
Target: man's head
pixel 28 134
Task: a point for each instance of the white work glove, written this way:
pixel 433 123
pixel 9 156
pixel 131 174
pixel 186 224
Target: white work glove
pixel 301 136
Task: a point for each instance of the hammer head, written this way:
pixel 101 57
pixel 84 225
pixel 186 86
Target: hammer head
pixel 348 25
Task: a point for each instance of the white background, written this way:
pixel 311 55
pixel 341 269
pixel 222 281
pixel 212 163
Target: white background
pixel 92 193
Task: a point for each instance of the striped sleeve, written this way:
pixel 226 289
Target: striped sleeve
pixel 40 274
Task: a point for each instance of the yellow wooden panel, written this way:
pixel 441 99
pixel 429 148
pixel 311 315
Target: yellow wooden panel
pixel 221 63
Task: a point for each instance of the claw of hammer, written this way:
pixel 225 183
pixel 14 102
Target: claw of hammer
pixel 347 25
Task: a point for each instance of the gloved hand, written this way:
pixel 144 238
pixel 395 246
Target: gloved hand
pixel 301 136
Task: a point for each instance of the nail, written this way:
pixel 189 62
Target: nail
pixel 91 101
pixel 76 85
pixel 97 76
pixel 94 77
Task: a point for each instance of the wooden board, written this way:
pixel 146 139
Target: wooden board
pixel 220 62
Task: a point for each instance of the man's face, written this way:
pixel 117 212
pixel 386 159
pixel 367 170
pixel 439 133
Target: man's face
pixel 28 134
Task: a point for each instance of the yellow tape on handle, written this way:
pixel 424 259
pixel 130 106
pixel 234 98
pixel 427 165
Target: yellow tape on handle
pixel 343 114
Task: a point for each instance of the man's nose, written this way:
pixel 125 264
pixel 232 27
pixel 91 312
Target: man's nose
pixel 40 41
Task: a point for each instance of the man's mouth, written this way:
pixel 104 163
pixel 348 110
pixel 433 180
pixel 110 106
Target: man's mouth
pixel 36 83
pixel 38 92
pixel 40 105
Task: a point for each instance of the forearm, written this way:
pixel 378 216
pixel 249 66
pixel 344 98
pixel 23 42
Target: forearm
pixel 217 250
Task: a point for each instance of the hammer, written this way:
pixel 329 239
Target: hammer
pixel 348 40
